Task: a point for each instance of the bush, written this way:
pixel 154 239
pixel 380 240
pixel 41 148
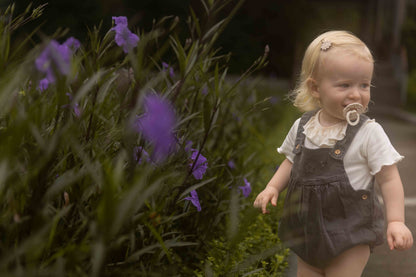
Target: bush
pixel 126 154
pixel 259 253
pixel 409 42
pixel 411 92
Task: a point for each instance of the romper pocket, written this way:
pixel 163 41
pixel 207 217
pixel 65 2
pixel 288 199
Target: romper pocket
pixel 364 202
pixel 359 205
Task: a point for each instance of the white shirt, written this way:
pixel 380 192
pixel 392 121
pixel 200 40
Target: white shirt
pixel 369 151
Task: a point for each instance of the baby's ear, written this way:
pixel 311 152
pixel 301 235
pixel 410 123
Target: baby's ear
pixel 313 87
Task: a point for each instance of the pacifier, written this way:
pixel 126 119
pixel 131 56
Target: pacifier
pixel 352 113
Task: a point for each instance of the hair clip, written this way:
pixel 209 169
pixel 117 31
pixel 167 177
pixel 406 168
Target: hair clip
pixel 325 45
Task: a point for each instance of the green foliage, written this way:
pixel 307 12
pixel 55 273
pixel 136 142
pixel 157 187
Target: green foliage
pixel 411 91
pixel 408 35
pixel 409 42
pixel 255 249
pixel 76 201
pixel 259 253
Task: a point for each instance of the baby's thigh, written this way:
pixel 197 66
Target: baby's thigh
pixel 306 270
pixel 349 263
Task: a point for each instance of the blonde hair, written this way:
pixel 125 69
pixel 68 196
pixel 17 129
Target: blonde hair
pixel 301 95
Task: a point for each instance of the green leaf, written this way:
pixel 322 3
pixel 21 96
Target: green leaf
pixel 207 115
pixel 66 179
pixel 132 200
pixel 196 186
pixel 180 54
pixel 98 257
pixel 149 249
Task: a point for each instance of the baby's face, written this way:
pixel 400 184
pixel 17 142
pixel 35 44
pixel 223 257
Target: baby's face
pixel 343 78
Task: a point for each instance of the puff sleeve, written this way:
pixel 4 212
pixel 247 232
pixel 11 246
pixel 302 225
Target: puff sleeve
pixel 378 148
pixel 289 143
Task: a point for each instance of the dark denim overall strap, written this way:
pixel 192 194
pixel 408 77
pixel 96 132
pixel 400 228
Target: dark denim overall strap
pixel 342 146
pixel 323 215
pixel 300 136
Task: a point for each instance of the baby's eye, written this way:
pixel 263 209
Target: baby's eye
pixel 365 86
pixel 344 85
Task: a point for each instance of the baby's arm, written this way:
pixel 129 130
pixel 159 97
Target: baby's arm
pixel 274 187
pixel 398 235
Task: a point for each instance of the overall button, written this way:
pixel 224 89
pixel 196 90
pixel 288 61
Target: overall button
pixel 297 146
pixel 337 151
pixel 364 196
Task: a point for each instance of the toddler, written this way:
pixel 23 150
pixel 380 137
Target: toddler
pixel 332 218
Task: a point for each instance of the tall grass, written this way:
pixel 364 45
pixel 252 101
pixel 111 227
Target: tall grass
pixel 82 191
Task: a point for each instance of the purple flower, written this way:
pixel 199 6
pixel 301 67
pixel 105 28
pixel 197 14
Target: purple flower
pixel 55 58
pixel 167 67
pixel 274 100
pixel 157 125
pixel 75 106
pixel 231 164
pixel 72 43
pixel 124 37
pixel 201 165
pixel 43 84
pixel 246 189
pixel 140 154
pixel 236 117
pixel 120 20
pixel 188 146
pixel 204 90
pixel 194 199
pixel 77 111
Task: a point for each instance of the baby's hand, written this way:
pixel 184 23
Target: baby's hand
pixel 268 194
pixel 399 236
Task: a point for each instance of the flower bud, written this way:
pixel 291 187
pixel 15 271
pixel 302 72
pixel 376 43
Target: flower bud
pixel 266 49
pixel 66 198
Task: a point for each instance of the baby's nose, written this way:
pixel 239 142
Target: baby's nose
pixel 354 93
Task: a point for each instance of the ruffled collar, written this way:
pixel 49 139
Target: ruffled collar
pixel 324 136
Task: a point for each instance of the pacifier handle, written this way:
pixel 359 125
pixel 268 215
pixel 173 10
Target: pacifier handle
pixel 353 117
pixel 352 113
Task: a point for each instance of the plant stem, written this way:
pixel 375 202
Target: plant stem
pixel 178 88
pixel 90 132
pixel 202 145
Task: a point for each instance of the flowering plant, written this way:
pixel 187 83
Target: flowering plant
pixel 124 37
pixel 98 175
pixel 55 58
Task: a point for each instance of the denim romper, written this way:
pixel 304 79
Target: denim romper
pixel 323 215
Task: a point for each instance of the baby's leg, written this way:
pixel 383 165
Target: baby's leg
pixel 350 263
pixel 306 270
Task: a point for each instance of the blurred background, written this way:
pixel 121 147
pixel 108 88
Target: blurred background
pixel 387 26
